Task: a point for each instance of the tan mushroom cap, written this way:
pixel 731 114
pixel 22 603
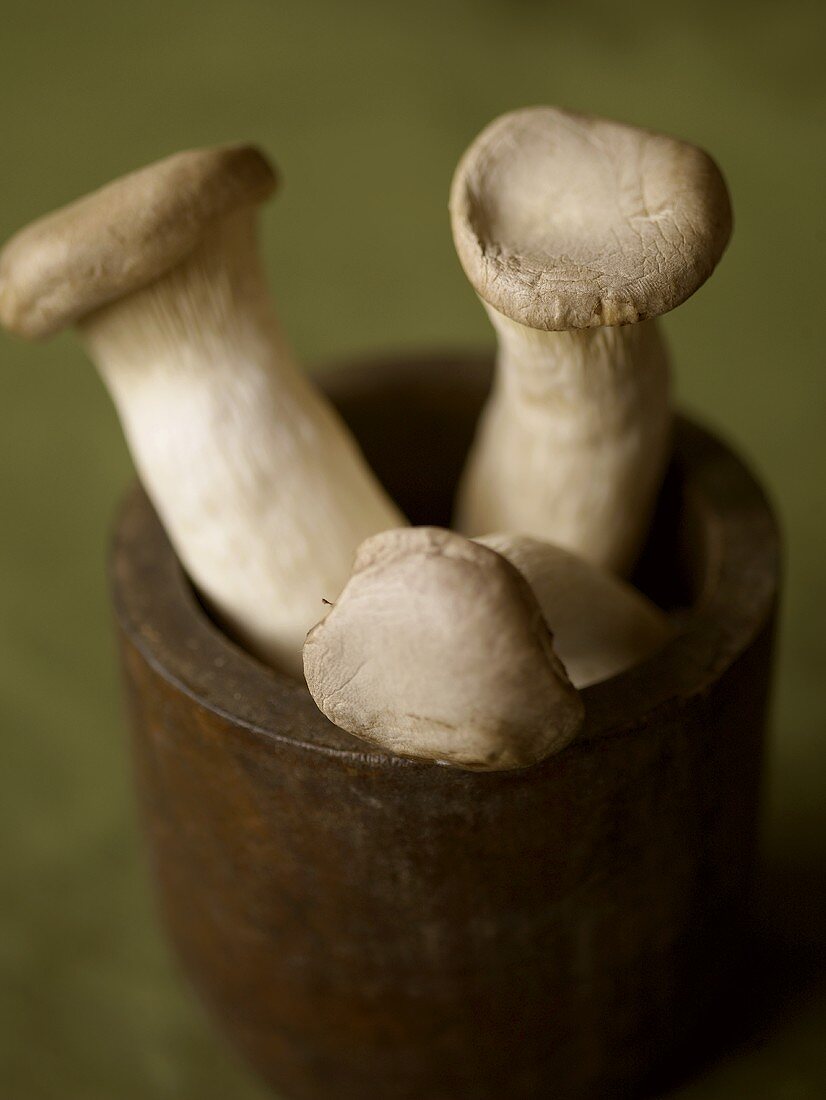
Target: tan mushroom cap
pixel 437 649
pixel 562 221
pixel 123 236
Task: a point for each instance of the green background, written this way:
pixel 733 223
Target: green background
pixel 366 108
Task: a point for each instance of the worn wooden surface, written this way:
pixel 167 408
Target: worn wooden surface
pixel 362 925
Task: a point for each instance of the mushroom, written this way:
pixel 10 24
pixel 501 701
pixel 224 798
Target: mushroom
pixel 601 625
pixel 262 490
pixel 576 233
pixel 440 647
pixel 437 649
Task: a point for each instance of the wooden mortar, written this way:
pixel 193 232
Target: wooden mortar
pixel 365 926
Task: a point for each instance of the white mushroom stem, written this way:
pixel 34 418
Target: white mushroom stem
pixel 601 625
pixel 574 439
pixel 262 490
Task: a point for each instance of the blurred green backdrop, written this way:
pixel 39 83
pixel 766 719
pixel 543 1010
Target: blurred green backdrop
pixel 366 108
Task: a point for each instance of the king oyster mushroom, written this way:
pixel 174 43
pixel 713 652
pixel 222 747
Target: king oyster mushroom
pixel 262 490
pixel 441 648
pixel 576 233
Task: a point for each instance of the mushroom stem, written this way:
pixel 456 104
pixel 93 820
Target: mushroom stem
pixel 574 439
pixel 262 491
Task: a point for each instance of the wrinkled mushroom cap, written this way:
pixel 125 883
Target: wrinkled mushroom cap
pixel 437 649
pixel 562 221
pixel 124 236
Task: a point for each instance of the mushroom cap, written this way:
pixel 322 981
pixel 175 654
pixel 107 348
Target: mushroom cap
pixel 437 649
pixel 562 221
pixel 123 236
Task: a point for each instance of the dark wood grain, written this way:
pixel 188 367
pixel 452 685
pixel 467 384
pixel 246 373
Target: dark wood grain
pixel 366 926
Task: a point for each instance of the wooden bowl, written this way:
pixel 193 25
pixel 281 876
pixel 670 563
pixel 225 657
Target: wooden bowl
pixel 362 925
